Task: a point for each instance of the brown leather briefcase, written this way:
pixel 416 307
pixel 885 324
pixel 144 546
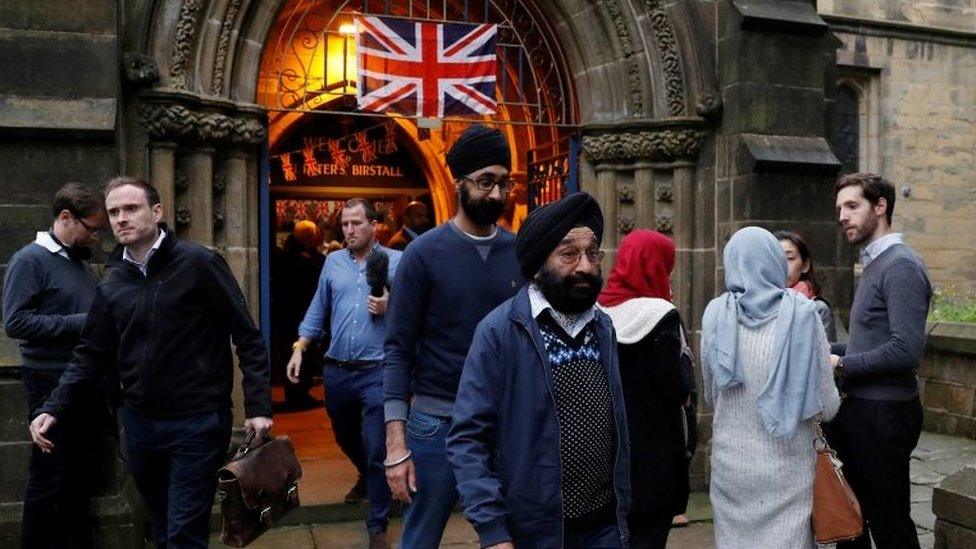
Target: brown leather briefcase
pixel 257 487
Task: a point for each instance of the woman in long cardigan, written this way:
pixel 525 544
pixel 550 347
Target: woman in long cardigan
pixel 657 378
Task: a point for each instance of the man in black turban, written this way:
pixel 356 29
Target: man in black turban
pixel 538 440
pixel 448 279
pixel 546 252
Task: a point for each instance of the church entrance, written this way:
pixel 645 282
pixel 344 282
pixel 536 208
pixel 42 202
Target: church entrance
pixel 324 149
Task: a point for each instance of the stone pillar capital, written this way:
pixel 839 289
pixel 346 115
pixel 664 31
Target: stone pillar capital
pixel 629 146
pixel 184 118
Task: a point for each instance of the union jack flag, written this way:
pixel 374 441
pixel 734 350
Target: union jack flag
pixel 421 68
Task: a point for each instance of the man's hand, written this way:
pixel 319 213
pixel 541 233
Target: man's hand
pixel 377 305
pixel 834 361
pixel 41 425
pixel 260 425
pixel 502 545
pixel 402 478
pixel 294 368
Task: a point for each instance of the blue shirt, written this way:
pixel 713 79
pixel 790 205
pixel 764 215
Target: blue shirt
pixel 340 307
pixel 874 249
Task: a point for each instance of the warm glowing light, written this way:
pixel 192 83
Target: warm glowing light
pixel 347 29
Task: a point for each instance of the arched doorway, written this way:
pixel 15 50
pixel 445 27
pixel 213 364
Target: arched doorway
pixel 322 149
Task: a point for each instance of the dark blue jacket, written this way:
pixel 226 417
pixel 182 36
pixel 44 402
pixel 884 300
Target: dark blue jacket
pixel 504 441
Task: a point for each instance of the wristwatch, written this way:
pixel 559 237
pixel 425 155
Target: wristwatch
pixel 299 346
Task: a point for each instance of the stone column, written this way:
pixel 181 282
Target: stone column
pixel 198 164
pixel 162 175
pixel 232 169
pixel 685 277
pixel 606 194
pixel 644 210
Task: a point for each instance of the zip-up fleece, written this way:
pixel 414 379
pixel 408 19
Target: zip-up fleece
pixel 504 440
pixel 166 335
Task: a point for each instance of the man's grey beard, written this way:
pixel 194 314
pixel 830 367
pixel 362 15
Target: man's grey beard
pixel 563 293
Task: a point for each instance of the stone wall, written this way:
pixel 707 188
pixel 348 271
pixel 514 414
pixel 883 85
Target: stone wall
pixel 947 379
pixel 954 505
pixel 913 64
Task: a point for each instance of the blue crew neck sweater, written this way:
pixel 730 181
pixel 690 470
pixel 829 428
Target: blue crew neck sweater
pixel 887 333
pixel 445 284
pixel 45 299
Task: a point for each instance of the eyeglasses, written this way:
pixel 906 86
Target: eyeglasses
pixel 571 256
pixel 89 228
pixel 487 182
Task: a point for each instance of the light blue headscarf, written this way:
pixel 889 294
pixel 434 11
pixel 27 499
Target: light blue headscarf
pixel 755 277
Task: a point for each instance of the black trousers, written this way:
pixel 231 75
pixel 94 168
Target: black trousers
pixel 875 439
pixel 59 484
pixel 648 531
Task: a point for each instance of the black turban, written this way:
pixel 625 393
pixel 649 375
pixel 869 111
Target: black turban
pixel 546 227
pixel 478 147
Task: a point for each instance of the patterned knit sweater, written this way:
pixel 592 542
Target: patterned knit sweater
pixel 587 434
pixel 761 486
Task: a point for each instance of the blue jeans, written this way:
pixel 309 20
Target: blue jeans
pixel 354 402
pixel 607 537
pixel 174 464
pixel 424 519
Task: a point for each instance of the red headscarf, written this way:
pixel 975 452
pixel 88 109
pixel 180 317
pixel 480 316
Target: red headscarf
pixel 645 259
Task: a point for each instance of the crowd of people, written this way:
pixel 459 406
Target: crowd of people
pixel 481 367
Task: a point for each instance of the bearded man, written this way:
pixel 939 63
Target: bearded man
pixel 539 435
pixel 880 418
pixel 448 279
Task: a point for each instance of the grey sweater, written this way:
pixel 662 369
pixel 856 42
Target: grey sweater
pixel 887 334
pixel 45 300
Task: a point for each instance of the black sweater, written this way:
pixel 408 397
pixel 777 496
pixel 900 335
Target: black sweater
pixel 167 337
pixel 655 387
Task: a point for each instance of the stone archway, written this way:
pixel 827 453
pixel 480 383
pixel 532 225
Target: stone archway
pixel 644 89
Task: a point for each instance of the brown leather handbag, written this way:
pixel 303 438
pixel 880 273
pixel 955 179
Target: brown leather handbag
pixel 836 511
pixel 257 487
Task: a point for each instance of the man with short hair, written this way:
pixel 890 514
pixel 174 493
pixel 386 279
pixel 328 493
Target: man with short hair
pixel 345 307
pixel 415 220
pixel 448 279
pixel 163 320
pixel 880 418
pixel 48 288
pixel 539 441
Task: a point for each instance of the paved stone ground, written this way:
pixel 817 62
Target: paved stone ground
pixel 936 457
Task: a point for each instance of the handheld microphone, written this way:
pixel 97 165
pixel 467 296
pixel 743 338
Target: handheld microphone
pixel 377 271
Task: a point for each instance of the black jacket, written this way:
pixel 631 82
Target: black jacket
pixel 166 336
pixel 652 372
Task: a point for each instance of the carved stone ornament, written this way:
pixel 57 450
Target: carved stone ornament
pixel 626 224
pixel 223 45
pixel 219 184
pixel 627 49
pixel 667 47
pixel 625 194
pixel 665 224
pixel 183 217
pixel 139 68
pixel 665 194
pixel 662 145
pixel 175 122
pixel 182 182
pixel 185 29
pixel 709 105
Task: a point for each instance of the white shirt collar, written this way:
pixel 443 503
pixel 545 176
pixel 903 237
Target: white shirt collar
pixel 876 248
pixel 44 240
pixel 144 265
pixel 573 324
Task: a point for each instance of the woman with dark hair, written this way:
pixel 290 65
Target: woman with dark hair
pixel 800 278
pixel 657 378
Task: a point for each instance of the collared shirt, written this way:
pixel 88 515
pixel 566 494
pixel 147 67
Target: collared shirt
pixel 44 240
pixel 144 265
pixel 876 248
pixel 572 324
pixel 340 308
